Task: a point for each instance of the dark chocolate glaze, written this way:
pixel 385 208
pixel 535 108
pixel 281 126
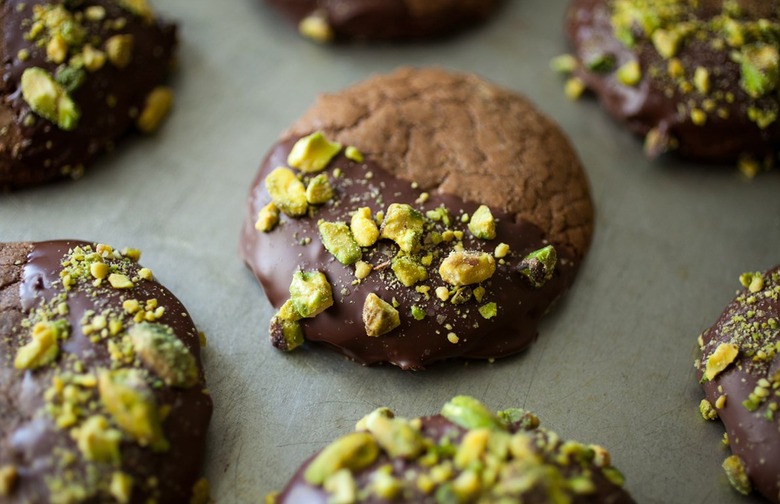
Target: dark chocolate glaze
pixel 752 437
pixel 389 19
pixel 655 101
pixel 29 437
pixel 39 153
pixel 437 428
pixel 275 256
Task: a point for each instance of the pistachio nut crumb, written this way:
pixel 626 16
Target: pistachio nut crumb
pixel 408 271
pixel 47 98
pixel 720 359
pixel 287 192
pixel 362 270
pixel 97 441
pixel 158 348
pixel 353 451
pixel 319 190
pixel 363 227
pixel 707 411
pixel 353 154
pixel 469 413
pixel 119 49
pixel 404 225
pixel 286 335
pixel 201 492
pixel 467 267
pixel 482 224
pixel 310 293
pixel 736 474
pixel 267 218
pixel 379 316
pixel 538 266
pixel 157 106
pixel 121 487
pixel 44 347
pixel 339 241
pixel 488 310
pixel 316 28
pixel 312 153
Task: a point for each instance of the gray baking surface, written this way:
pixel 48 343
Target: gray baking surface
pixel 614 361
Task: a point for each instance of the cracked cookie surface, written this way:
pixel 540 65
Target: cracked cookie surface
pixel 416 217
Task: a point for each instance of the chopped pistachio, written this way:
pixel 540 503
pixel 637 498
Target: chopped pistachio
pixel 469 413
pixel 574 88
pixel 319 190
pixel 57 49
pixel 47 98
pixel 443 293
pixel 43 348
pixel 472 447
pixel 312 153
pixel 737 475
pixel 267 218
pixel 93 59
pixel 599 62
pixel 353 154
pixel 120 281
pixel 482 224
pixel 341 487
pixel 310 293
pixel 396 436
pixel 362 269
pixel 379 316
pixel 287 192
pixel 404 225
pixel 363 227
pixel 701 79
pixel 417 312
pixel 158 104
pixel 99 270
pixel 121 487
pixel 565 63
pixel 707 411
pixel 157 346
pixel 316 28
pixel 408 271
pixel 353 451
pixel 667 42
pixel 720 359
pixel 97 441
pixel 131 404
pixel 488 311
pixel 760 69
pixel 538 266
pixel 95 13
pixel 119 49
pixel 338 240
pixel 630 73
pixel 467 267
pixel 286 335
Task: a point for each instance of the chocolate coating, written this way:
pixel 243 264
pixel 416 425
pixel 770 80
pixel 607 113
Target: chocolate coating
pixel 671 108
pixel 542 478
pixel 35 150
pixel 31 441
pixel 751 323
pixel 389 19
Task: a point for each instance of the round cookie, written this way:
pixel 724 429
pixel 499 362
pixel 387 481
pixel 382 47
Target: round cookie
pixel 445 222
pixel 77 76
pixel 739 369
pixel 698 78
pixel 465 454
pixel 327 20
pixel 102 392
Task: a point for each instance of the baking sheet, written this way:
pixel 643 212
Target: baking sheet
pixel 614 362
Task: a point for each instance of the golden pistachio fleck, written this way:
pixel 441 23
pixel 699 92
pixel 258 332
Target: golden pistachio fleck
pixel 629 74
pixel 97 441
pixel 95 13
pixel 737 475
pixel 404 225
pixel 337 239
pixel 363 227
pixel 408 270
pixel 158 347
pixel 379 316
pixel 467 267
pixel 157 105
pixel 574 88
pixel 49 99
pixel 482 224
pixel 310 293
pixel 353 154
pixel 353 451
pixel 267 218
pixel 316 28
pixel 119 49
pixel 720 359
pixel 287 192
pixel 121 487
pixel 93 59
pixel 57 49
pixel 319 190
pixel 120 281
pixel 43 348
pixel 99 270
pixel 312 153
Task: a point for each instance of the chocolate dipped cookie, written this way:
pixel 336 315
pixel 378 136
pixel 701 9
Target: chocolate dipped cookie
pixel 699 78
pixel 415 217
pixel 739 369
pixel 333 20
pixel 102 392
pixel 466 453
pixel 77 75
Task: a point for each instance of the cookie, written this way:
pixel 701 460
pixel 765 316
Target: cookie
pixel 415 217
pixel 739 369
pixel 697 78
pixel 329 20
pixel 102 392
pixel 466 453
pixel 77 76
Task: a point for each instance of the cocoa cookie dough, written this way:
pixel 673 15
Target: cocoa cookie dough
pixel 739 369
pixel 77 75
pixel 102 393
pixel 415 217
pixel 464 454
pixel 329 20
pixel 699 78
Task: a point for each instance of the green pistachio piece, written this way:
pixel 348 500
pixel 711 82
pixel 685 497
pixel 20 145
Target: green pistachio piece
pixel 538 266
pixel 363 227
pixel 465 267
pixel 353 451
pixel 310 293
pixel 517 416
pixel 379 316
pixel 629 74
pixel 287 192
pixel 404 225
pixel 129 400
pixel 119 49
pixel 667 42
pixel 353 154
pixel 319 190
pixel 482 224
pixel 707 411
pixel 472 447
pixel 614 476
pixel 565 63
pixel 286 335
pixel 469 413
pixel 396 436
pixel 44 347
pixel 341 487
pixel 316 28
pixel 599 62
pixel 408 271
pixel 70 78
pixel 97 441
pixel 338 240
pixel 312 153
pixel 417 312
pixel 760 69
pixel 267 218
pixel 158 347
pixel 47 98
pixel 720 359
pixel 488 310
pixel 735 472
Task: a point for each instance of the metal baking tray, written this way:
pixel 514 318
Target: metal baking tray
pixel 614 362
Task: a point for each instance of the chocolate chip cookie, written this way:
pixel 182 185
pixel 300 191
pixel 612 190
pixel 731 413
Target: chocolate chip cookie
pixel 466 453
pixel 415 217
pixel 77 76
pixel 102 392
pixel 329 20
pixel 699 78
